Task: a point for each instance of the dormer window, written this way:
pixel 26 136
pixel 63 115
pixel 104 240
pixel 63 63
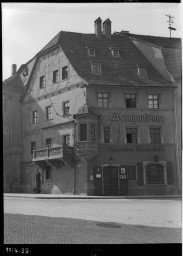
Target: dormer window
pixel 96 68
pixel 115 53
pixel 91 52
pixel 142 72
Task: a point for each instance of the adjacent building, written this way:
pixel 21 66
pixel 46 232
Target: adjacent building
pixel 97 115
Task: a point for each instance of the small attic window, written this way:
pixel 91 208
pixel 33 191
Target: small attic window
pixel 91 52
pixel 96 68
pixel 115 52
pixel 142 72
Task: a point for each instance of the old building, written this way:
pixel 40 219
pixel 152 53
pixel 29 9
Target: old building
pixel 98 117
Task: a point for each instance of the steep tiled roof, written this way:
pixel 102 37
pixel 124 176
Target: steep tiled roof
pixel 14 81
pixel 171 49
pixel 121 70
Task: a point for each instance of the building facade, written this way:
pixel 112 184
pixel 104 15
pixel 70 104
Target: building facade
pixel 98 117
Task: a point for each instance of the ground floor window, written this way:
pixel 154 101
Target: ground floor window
pixel 154 174
pixel 131 172
pixel 48 172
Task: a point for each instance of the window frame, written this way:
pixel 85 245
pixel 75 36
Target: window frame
pixel 102 99
pixel 34 117
pixel 153 101
pixel 32 147
pixel 131 100
pixel 65 138
pixel 42 82
pixel 96 66
pixel 48 145
pixel 118 53
pixel 48 177
pixel 150 134
pixel 63 72
pixel 55 76
pixel 81 132
pixel 47 113
pixel 89 52
pixel 142 74
pixel 134 128
pixel 149 176
pixel 135 172
pixel 109 134
pixel 92 136
pixel 65 108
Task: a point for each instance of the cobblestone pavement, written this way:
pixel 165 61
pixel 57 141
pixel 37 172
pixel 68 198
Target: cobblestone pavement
pixel 25 229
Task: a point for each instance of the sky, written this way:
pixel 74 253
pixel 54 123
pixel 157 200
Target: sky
pixel 28 27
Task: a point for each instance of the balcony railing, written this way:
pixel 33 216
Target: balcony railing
pixel 48 153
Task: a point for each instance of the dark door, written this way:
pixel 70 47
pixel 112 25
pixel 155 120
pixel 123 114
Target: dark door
pixel 38 183
pixel 123 182
pixel 97 177
pixel 110 180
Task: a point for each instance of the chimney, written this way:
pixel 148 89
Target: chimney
pixel 14 69
pixel 98 27
pixel 107 28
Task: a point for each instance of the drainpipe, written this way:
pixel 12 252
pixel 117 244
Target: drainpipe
pixel 11 140
pixel 74 157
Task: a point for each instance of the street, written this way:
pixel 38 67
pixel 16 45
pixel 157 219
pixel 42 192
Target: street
pixel 91 221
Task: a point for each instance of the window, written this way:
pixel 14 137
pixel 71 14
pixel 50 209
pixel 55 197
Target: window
pixel 92 132
pixel 131 135
pixel 66 140
pixel 115 53
pixel 48 143
pixel 33 146
pixel 91 52
pixel 65 73
pixel 130 100
pixel 96 68
pixel 106 134
pixel 83 132
pixel 55 76
pixel 48 172
pixel 155 135
pixel 131 171
pixel 66 108
pixel 103 100
pixel 154 174
pixel 34 117
pixel 142 72
pixel 48 113
pixel 153 100
pixel 42 82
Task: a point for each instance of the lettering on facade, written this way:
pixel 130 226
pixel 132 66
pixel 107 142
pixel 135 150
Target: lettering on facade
pixel 132 118
pixel 137 149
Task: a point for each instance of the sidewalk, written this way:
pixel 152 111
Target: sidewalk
pixel 71 196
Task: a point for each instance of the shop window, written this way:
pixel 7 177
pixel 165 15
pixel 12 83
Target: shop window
pixel 154 174
pixel 34 117
pixel 106 134
pixel 48 113
pixel 103 100
pixel 153 101
pixel 83 132
pixel 42 82
pixel 55 76
pixel 92 132
pixel 66 140
pixel 66 108
pixel 48 172
pixel 96 68
pixel 91 52
pixel 155 135
pixel 131 135
pixel 142 72
pixel 65 73
pixel 131 172
pixel 48 143
pixel 130 100
pixel 33 146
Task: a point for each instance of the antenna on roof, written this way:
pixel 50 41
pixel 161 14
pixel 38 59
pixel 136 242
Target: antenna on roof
pixel 170 23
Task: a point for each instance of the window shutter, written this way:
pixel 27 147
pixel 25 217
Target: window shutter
pixel 140 178
pixel 170 177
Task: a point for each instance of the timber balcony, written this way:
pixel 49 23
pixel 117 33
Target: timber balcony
pixel 52 153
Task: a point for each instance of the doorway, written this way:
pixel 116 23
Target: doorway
pixel 38 183
pixel 110 180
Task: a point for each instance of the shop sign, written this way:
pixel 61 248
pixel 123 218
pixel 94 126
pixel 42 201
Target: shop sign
pixel 135 118
pixel 98 175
